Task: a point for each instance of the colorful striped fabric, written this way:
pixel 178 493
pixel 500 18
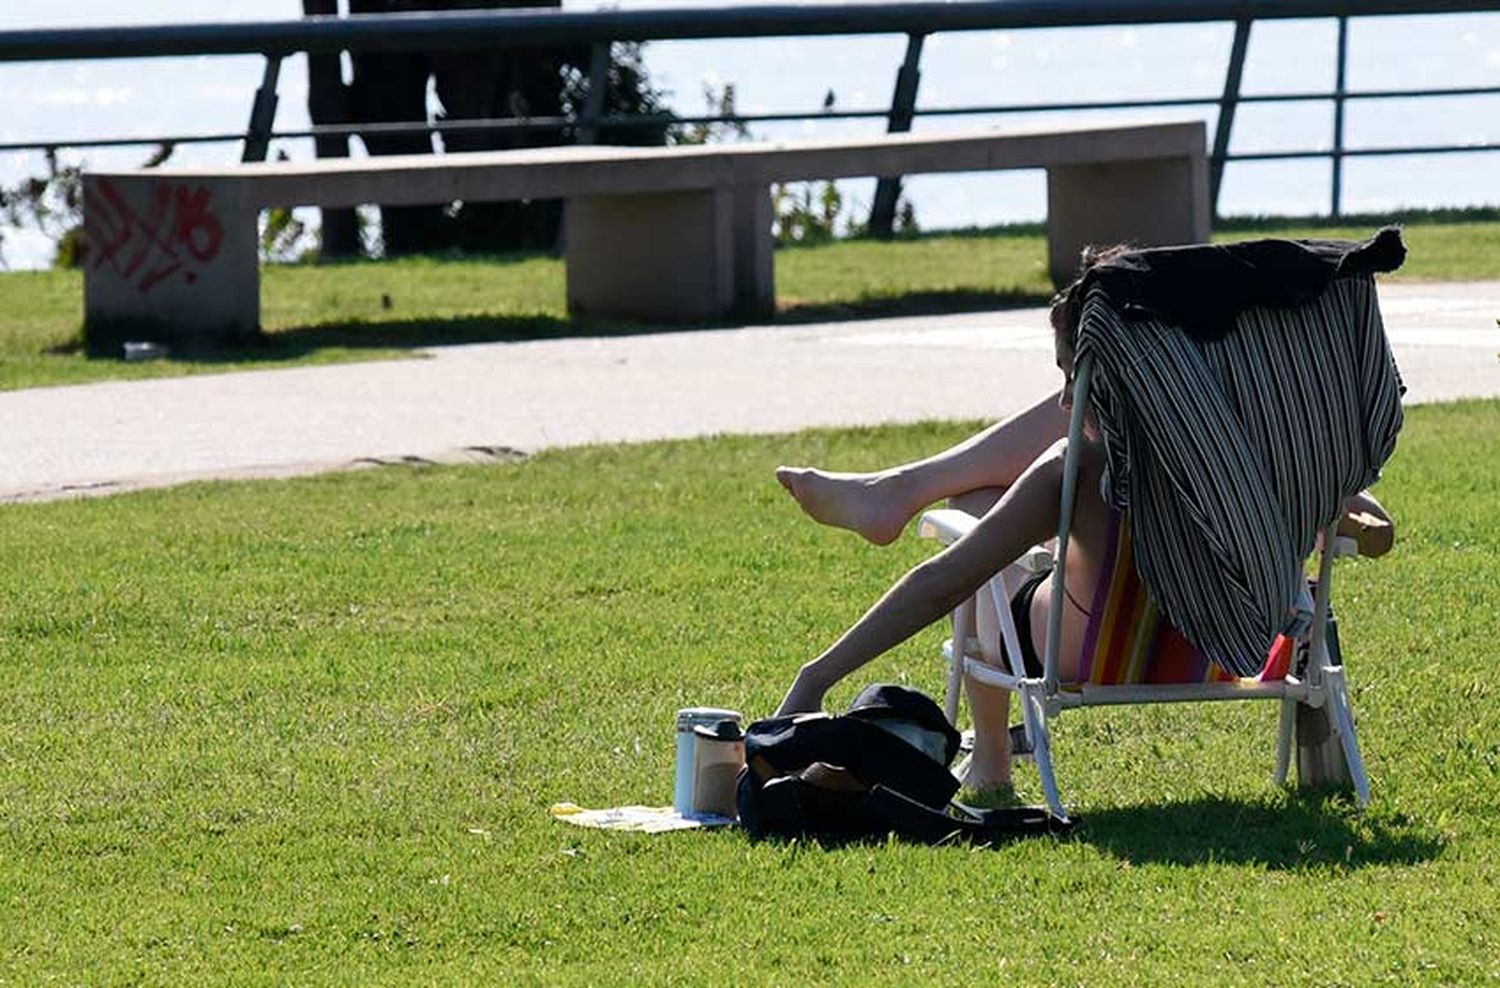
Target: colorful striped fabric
pixel 1127 640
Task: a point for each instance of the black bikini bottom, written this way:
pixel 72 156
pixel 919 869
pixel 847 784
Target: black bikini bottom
pixel 1020 612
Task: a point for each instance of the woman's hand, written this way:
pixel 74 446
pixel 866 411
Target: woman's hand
pixel 805 696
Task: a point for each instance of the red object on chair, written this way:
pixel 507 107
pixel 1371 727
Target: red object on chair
pixel 1278 660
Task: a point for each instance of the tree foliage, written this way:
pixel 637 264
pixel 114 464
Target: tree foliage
pixel 52 204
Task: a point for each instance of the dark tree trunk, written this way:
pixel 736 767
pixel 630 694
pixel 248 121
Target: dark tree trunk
pixel 496 84
pixel 327 104
pixel 515 83
pixel 392 86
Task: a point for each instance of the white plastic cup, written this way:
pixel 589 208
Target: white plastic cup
pixel 685 784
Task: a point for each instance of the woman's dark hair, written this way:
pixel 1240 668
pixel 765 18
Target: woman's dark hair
pixel 1067 304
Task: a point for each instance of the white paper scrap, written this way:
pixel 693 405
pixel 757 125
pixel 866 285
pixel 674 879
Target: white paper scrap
pixel 640 819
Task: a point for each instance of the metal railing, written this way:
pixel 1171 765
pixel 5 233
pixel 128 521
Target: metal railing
pixel 598 30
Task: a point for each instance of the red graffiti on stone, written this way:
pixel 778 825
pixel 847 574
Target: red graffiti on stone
pixel 176 233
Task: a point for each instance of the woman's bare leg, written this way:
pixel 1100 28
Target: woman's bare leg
pixel 989 706
pixel 1024 515
pixel 878 505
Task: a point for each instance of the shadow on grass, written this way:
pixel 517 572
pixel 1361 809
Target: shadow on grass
pixel 1018 231
pixel 937 303
pixel 299 342
pixel 415 334
pixel 1305 831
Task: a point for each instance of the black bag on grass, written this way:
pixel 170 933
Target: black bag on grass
pixel 881 768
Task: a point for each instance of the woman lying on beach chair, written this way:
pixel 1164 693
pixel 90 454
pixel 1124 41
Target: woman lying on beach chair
pixel 1122 454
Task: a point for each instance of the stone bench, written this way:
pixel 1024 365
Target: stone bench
pixel 660 234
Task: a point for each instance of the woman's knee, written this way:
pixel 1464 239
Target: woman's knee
pixel 977 502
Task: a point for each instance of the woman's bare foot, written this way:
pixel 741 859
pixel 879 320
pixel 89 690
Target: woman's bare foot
pixel 989 766
pixel 987 776
pixel 860 502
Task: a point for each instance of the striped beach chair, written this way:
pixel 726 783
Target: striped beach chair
pixel 1133 654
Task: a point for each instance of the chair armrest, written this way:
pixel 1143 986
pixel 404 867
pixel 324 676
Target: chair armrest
pixel 948 525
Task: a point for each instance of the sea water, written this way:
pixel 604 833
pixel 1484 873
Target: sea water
pixel 73 100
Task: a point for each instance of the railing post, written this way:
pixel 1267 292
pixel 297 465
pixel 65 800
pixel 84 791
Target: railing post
pixel 263 112
pixel 1337 196
pixel 593 103
pixel 903 109
pixel 1228 103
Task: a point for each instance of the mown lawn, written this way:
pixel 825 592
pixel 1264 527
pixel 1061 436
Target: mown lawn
pixel 307 732
pixel 370 310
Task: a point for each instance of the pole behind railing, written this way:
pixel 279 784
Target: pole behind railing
pixel 1337 196
pixel 903 109
pixel 1227 105
pixel 593 101
pixel 263 113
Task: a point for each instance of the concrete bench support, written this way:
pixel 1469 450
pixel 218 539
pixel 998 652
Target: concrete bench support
pixel 1146 203
pixel 671 256
pixel 637 256
pixel 168 258
pixel 671 234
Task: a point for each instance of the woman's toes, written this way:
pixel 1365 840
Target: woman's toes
pixel 843 501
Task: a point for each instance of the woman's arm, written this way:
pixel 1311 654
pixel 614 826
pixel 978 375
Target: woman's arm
pixel 1025 515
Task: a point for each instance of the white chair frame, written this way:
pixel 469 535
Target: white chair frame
pixel 1043 700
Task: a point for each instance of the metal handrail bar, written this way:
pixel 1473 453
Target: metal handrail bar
pixel 598 29
pixel 1370 152
pixel 659 119
pixel 523 27
pixel 1375 152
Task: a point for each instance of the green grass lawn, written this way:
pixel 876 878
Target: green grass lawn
pixel 307 732
pixel 326 313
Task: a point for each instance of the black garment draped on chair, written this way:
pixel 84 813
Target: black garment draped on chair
pixel 1201 289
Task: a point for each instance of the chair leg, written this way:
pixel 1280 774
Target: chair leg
pixel 1034 712
pixel 1320 756
pixel 963 630
pixel 1343 723
pixel 1284 741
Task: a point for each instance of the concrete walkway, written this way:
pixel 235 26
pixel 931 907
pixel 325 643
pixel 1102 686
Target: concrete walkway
pixel 489 400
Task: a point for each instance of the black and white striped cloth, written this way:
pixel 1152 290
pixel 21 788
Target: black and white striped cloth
pixel 1231 455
